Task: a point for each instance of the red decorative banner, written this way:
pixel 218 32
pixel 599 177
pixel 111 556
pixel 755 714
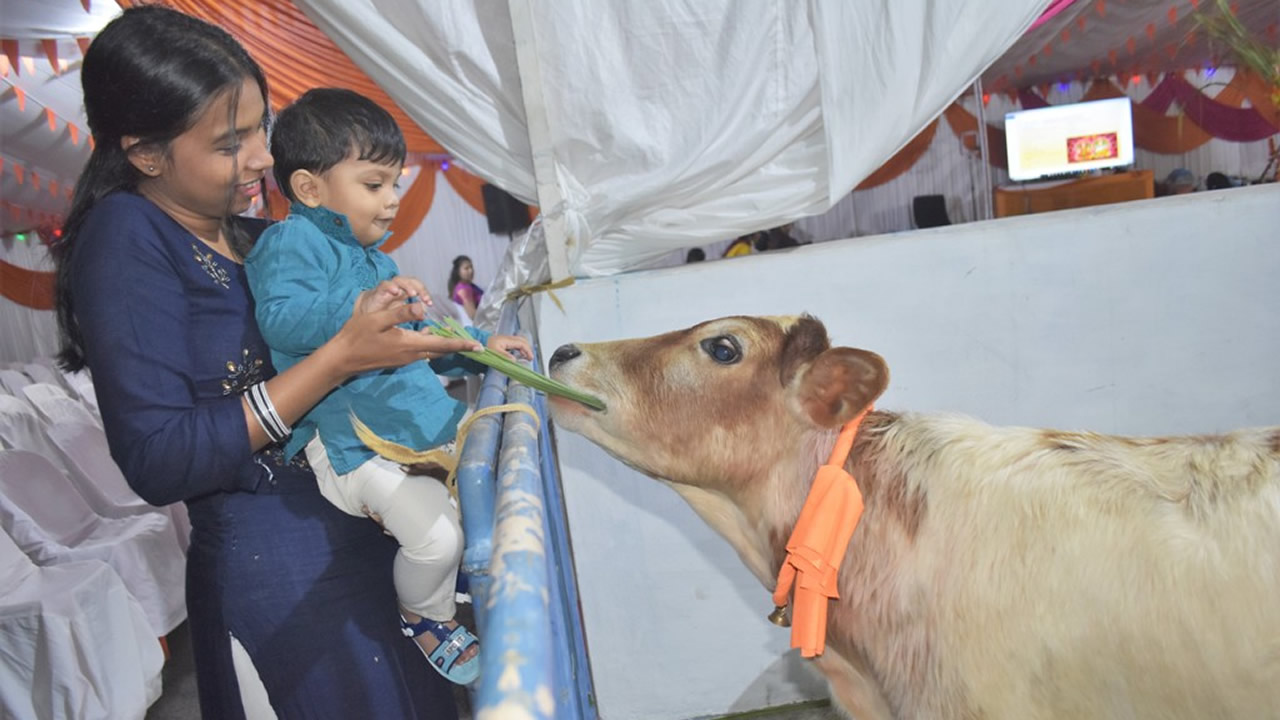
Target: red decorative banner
pixel 19 174
pixel 83 42
pixel 75 133
pixel 51 52
pixel 11 52
pixel 53 119
pixel 22 97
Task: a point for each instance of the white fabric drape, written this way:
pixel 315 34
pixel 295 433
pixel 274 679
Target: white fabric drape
pixel 28 333
pixel 669 124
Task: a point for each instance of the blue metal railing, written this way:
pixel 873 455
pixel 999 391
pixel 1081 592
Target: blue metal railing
pixel 518 564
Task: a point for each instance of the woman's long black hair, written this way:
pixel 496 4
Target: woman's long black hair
pixel 454 275
pixel 149 74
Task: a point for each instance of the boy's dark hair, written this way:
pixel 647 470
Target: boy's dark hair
pixel 324 126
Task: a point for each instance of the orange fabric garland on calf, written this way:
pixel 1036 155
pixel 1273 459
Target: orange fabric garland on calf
pixel 817 545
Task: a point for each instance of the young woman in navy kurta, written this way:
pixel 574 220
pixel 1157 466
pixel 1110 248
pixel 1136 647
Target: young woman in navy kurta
pixel 168 330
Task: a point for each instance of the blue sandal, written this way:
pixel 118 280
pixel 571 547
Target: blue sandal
pixel 452 644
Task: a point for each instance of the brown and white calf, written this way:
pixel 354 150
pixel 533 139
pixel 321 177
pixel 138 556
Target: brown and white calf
pixel 997 572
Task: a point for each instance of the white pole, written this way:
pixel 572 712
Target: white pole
pixel 984 191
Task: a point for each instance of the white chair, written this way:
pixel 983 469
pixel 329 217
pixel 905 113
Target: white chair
pixel 13 381
pixel 56 405
pixel 76 643
pixel 43 513
pixel 81 386
pixel 43 374
pixel 87 457
pixel 22 429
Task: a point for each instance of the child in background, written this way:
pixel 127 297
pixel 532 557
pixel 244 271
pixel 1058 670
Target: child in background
pixel 338 156
pixel 462 288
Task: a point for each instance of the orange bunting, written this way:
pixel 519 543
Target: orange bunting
pixel 22 98
pixel 83 42
pixel 1151 31
pixel 1031 60
pixel 1066 34
pixel 1048 49
pixel 51 52
pixel 1131 45
pixel 35 180
pixel 11 52
pixel 85 4
pixel 1195 4
pixel 1235 8
pixel 74 132
pixel 19 174
pixel 1101 7
pixel 1113 56
pixel 53 119
pixel 1173 15
pixel 53 188
pixel 1080 21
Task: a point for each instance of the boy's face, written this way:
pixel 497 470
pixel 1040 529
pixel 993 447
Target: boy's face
pixel 365 192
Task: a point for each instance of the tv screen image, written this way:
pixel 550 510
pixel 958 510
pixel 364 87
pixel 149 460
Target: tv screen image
pixel 1092 147
pixel 1065 139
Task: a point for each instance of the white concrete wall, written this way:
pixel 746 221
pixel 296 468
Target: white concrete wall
pixel 1161 316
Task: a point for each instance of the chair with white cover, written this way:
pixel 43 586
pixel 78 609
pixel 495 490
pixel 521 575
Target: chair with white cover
pixel 22 429
pixel 76 643
pixel 52 523
pixel 81 387
pixel 56 406
pixel 44 374
pixel 87 457
pixel 13 381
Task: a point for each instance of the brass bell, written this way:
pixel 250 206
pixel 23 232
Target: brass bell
pixel 780 616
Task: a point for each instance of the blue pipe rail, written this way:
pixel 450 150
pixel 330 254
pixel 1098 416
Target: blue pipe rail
pixel 517 562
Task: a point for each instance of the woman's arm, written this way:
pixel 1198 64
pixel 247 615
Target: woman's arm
pixel 366 342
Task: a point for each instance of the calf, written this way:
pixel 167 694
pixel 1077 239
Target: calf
pixel 996 572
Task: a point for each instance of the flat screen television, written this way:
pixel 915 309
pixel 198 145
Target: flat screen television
pixel 1065 140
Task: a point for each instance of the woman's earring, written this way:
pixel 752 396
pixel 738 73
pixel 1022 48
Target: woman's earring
pixel 151 168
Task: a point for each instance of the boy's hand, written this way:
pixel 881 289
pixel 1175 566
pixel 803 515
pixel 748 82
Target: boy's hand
pixel 511 344
pixel 389 292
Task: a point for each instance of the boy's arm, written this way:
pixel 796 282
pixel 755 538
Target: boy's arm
pixel 289 273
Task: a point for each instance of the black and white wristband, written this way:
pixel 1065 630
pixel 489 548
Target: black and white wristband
pixel 265 412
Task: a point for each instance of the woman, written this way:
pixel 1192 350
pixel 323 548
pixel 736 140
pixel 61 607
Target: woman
pixel 465 293
pixel 290 601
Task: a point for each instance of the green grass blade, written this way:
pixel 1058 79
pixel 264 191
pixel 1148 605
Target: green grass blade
pixel 504 364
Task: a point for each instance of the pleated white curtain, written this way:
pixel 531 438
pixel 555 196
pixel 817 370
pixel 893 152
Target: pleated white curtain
pixel 27 333
pixel 644 127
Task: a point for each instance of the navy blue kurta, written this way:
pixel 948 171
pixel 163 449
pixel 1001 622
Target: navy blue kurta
pixel 169 335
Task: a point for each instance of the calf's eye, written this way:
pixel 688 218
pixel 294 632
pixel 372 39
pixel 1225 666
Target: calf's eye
pixel 724 349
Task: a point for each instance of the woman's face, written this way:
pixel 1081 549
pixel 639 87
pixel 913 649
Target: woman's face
pixel 466 272
pixel 221 159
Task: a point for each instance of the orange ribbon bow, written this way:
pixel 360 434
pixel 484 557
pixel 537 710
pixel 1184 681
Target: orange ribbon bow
pixel 817 545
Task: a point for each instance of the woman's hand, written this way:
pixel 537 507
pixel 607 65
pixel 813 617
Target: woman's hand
pixel 372 340
pixel 511 344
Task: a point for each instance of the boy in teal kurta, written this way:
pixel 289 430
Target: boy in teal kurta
pixel 338 156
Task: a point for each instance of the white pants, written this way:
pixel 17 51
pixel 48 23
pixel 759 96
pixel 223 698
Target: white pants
pixel 418 511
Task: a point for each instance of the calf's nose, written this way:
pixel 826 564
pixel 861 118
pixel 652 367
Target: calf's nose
pixel 564 354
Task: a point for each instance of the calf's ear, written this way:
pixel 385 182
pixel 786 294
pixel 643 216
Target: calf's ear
pixel 837 385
